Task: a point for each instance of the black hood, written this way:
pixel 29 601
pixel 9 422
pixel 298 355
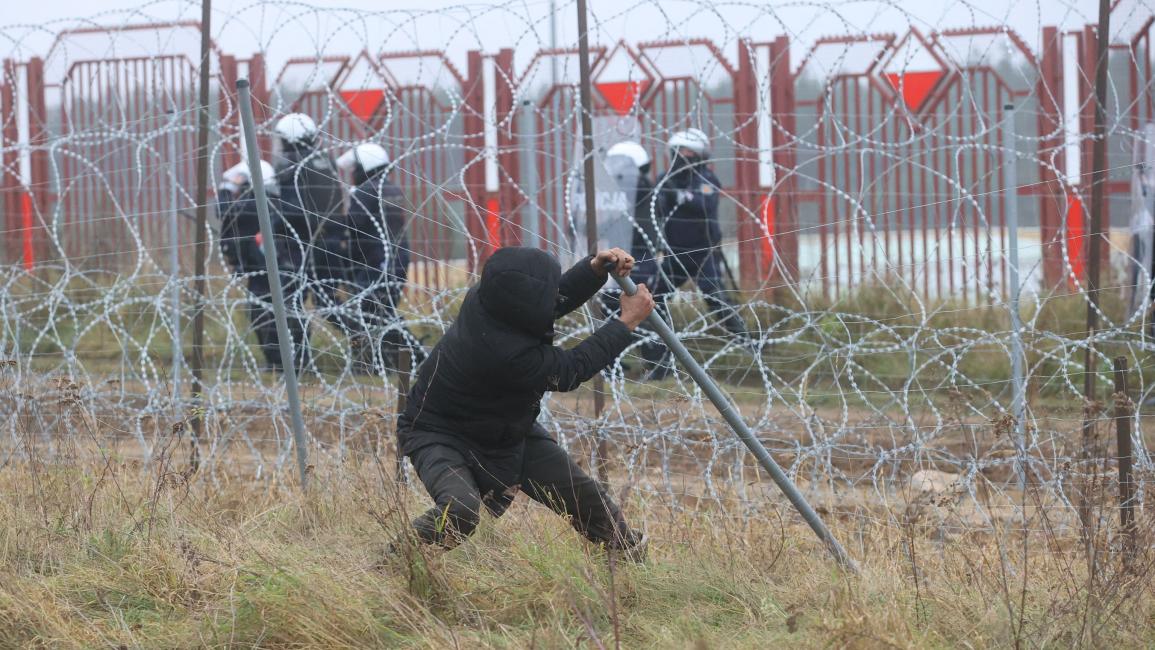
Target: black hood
pixel 519 287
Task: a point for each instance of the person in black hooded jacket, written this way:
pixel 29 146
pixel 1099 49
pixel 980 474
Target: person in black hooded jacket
pixel 470 423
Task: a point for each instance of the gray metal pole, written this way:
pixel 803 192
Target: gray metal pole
pixel 591 213
pixel 530 214
pixel 174 262
pixel 1018 382
pixel 201 236
pixel 734 418
pixel 271 267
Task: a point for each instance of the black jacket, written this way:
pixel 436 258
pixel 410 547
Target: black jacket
pixel 375 226
pixel 311 194
pixel 688 202
pixel 482 385
pixel 239 229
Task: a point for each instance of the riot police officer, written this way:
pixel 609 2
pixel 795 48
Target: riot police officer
pixel 377 254
pixel 687 207
pixel 241 249
pixel 311 199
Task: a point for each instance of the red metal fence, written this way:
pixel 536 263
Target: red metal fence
pixel 872 159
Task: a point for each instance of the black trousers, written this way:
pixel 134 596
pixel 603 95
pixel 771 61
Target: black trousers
pixel 461 485
pixel 704 267
pixel 265 326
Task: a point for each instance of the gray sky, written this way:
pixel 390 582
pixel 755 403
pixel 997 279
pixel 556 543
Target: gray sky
pixel 320 27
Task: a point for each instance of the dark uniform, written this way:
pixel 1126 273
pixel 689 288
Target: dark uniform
pixel 375 250
pixel 240 246
pixel 311 199
pixel 470 423
pixel 688 201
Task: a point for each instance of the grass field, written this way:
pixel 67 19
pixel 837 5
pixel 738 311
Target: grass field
pixel 113 554
pixel 100 549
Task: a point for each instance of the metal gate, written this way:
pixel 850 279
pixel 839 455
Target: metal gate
pixel 122 120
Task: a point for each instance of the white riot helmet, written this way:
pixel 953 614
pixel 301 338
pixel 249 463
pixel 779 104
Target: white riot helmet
pixel 238 175
pixel 693 139
pixel 369 156
pixel 296 129
pixel 632 150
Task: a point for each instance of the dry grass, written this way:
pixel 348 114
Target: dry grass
pixel 113 553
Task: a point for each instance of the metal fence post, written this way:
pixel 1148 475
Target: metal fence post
pixel 600 452
pixel 174 261
pixel 733 417
pixel 272 268
pixel 1123 412
pixel 1011 203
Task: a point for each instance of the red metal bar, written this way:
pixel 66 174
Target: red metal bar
pixel 228 73
pixel 10 173
pixel 259 81
pixel 473 118
pixel 785 160
pixel 746 155
pixel 1088 59
pixel 509 199
pixel 1050 120
pixel 35 237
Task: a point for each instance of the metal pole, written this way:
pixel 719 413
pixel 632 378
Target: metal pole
pixel 403 363
pixel 202 230
pixel 1094 237
pixel 1123 412
pixel 1018 382
pixel 530 218
pixel 591 212
pixel 267 244
pixel 174 261
pixel 734 418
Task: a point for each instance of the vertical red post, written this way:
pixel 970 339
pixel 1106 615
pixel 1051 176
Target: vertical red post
pixel 750 266
pixel 1050 121
pixel 259 84
pixel 228 65
pixel 37 197
pixel 479 207
pixel 509 200
pixel 785 197
pixel 10 174
pixel 1088 61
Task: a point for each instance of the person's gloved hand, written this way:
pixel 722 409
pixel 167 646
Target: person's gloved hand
pixel 684 196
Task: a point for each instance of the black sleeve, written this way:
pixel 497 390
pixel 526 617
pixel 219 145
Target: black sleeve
pixel 547 367
pixel 577 285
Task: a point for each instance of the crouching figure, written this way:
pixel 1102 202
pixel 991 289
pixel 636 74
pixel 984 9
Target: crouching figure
pixel 470 424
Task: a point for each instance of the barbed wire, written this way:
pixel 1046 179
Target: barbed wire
pixel 866 222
